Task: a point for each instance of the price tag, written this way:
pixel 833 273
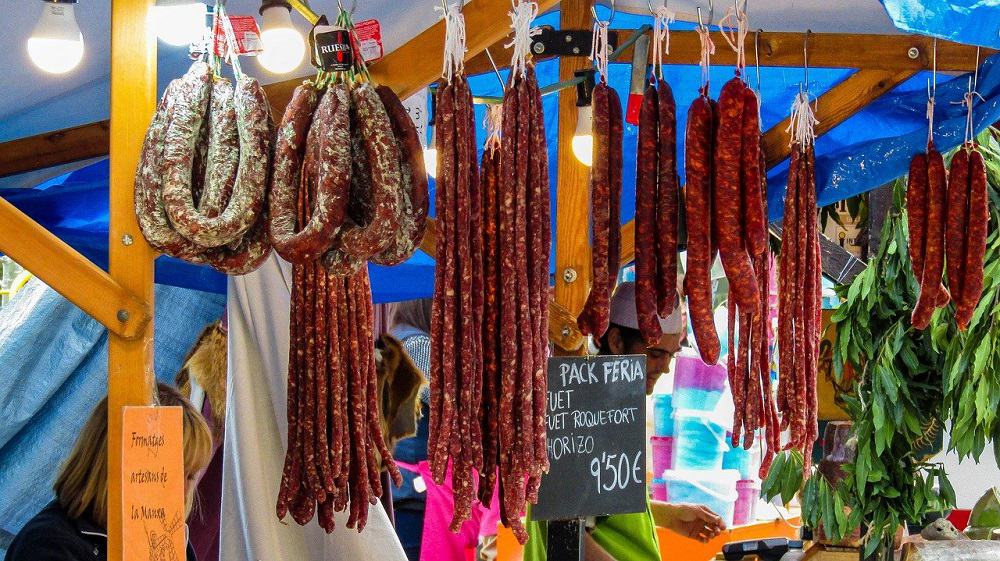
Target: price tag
pixel 596 423
pixel 245 31
pixel 332 48
pixel 369 35
pixel 153 483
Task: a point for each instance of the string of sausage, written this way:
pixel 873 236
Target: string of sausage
pixel 930 261
pixel 507 445
pixel 605 181
pixel 201 182
pixel 457 329
pixel 799 304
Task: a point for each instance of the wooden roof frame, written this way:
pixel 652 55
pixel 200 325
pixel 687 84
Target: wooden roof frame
pixel 122 298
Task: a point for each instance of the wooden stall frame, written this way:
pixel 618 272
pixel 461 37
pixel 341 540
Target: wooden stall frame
pixel 122 299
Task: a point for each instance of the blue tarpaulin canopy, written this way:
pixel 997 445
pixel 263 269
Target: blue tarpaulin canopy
pixel 867 150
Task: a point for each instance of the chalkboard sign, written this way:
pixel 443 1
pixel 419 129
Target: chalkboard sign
pixel 596 430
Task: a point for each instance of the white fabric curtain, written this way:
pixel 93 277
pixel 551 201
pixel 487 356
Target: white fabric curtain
pixel 256 430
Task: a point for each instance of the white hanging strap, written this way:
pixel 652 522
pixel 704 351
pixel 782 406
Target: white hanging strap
pixel 599 49
pixel 454 41
pixel 227 27
pixel 707 50
pixel 493 123
pixel 737 34
pixel 521 18
pixel 801 125
pixel 661 37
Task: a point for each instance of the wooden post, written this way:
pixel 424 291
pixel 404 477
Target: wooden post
pixel 130 362
pixel 572 238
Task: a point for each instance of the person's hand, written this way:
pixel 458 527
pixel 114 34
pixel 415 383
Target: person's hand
pixel 692 521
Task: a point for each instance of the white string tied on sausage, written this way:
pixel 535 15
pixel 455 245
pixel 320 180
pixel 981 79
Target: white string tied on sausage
pixel 801 125
pixel 737 34
pixel 930 120
pixel 662 17
pixel 493 123
pixel 454 41
pixel 707 50
pixel 599 49
pixel 231 43
pixel 521 18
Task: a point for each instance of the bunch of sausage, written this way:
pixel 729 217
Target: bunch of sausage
pixel 489 326
pixel 355 151
pixel 657 210
pixel 201 184
pixel 799 303
pixel 725 209
pixel 348 187
pixel 948 215
pixel 605 208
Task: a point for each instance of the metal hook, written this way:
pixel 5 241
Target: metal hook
pixel 650 6
pixel 975 81
pixel 711 15
pixel 503 86
pixel 934 68
pixel 756 53
pixel 593 12
pixel 805 58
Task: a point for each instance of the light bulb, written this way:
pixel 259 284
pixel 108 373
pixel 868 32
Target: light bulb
pixel 283 45
pixel 583 137
pixel 431 156
pixel 179 24
pixel 56 44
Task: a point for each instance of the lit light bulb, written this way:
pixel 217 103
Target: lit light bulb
pixel 431 156
pixel 179 23
pixel 583 137
pixel 283 45
pixel 56 44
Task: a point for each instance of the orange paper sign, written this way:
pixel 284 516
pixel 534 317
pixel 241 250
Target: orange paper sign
pixel 153 484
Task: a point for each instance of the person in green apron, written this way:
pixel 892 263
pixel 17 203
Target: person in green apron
pixel 632 537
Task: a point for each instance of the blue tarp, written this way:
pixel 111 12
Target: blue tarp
pixel 866 151
pixel 976 22
pixel 55 362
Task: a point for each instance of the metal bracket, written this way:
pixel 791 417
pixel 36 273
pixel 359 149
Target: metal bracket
pixel 567 42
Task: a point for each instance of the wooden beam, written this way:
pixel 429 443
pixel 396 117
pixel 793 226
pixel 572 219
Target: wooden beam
pixel 827 50
pixel 54 148
pixel 835 50
pixel 833 107
pixel 572 236
pixel 131 376
pixel 836 106
pixel 71 274
pixel 563 330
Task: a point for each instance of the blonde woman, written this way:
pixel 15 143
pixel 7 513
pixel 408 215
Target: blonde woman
pixel 72 527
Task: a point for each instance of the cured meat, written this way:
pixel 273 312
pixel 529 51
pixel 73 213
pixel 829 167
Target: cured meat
pixel 975 247
pixel 727 216
pixel 647 277
pixel 698 199
pixel 667 202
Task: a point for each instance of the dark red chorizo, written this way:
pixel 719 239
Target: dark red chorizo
pixel 698 281
pixel 646 239
pixel 934 249
pixel 590 319
pixel 755 219
pixel 727 216
pixel 956 220
pixel 916 212
pixel 975 248
pixel 667 201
